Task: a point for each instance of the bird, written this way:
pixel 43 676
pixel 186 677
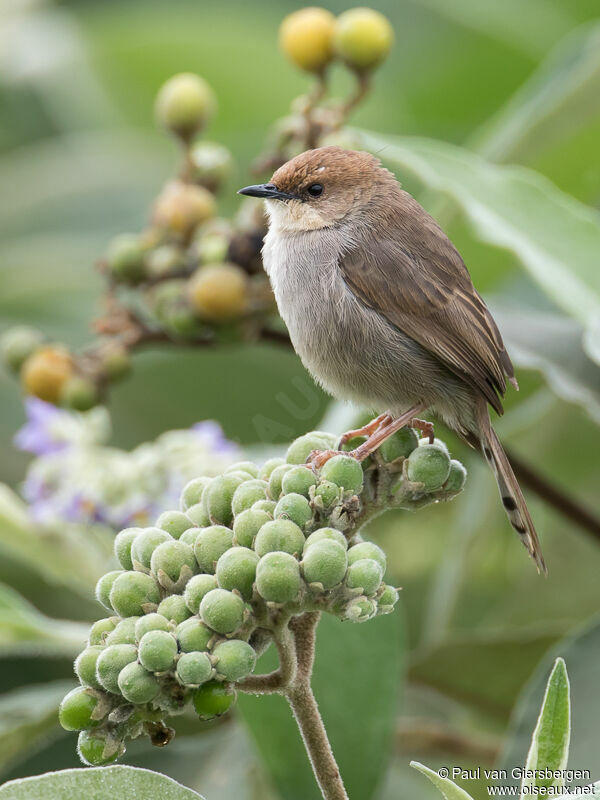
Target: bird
pixel 382 311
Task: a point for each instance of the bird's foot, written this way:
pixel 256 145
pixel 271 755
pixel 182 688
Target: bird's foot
pixel 425 428
pixel 320 457
pixel 367 430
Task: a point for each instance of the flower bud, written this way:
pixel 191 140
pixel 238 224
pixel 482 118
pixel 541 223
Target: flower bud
pixel 222 611
pixel 157 650
pixel 137 685
pixel 362 37
pixel 345 472
pixel 76 709
pixel 184 104
pixel 429 465
pixel 280 535
pixel 192 492
pixel 194 669
pixel 236 569
pixel 247 524
pixel 218 292
pixel 174 523
pixel 91 747
pixel 174 609
pixel 360 609
pixel 306 38
pixel 123 633
pixel 126 258
pixel 367 550
pixel 100 630
pixel 398 445
pixel 193 635
pixel 328 492
pixel 213 699
pixel 235 659
pixel 211 163
pixel 144 544
pixel 326 534
pixel 325 562
pixel 195 590
pixel 210 545
pixel 387 600
pixel 218 496
pixel 173 563
pixel 17 344
pixel 46 371
pixel 278 577
pixel 247 494
pixel 85 666
pixel 134 594
pixel 110 663
pixel 276 480
pixel 365 574
pixel 122 546
pixel 181 207
pixel 244 466
pixel 104 586
pixel 150 622
pixel 457 477
pixel 294 507
pixel 302 447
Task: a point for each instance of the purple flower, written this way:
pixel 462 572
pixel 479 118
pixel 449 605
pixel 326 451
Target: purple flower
pixel 212 436
pixel 36 435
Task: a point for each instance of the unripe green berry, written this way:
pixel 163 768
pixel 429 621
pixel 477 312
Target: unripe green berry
pixel 247 524
pixel 173 563
pixel 298 480
pixel 302 447
pixel 157 651
pixel 198 513
pixel 344 471
pixel 150 622
pixel 387 600
pixel 294 507
pixel 194 669
pixel 213 699
pixel 122 546
pixel 365 574
pixel 268 467
pixel 436 443
pixel 362 37
pixel 235 659
pixel 100 630
pixel 137 685
pixel 218 496
pixel 367 550
pixel 17 344
pixel 144 544
pixel 325 562
pixel 190 536
pixel 327 534
pixel 192 492
pixel 76 709
pixel 244 466
pixel 210 545
pixel 399 445
pixel 236 569
pixel 116 363
pixel 110 663
pixel 126 258
pixel 85 665
pixel 134 594
pixel 193 635
pixel 267 506
pixel 195 590
pixel 281 535
pixel 360 609
pixel 104 586
pixel 457 477
pixel 212 247
pixel 124 632
pixel 278 577
pixel 329 493
pixel 428 465
pixel 247 494
pixel 79 393
pixel 184 104
pixel 174 609
pixel 90 748
pixel 276 479
pixel 222 611
pixel 174 523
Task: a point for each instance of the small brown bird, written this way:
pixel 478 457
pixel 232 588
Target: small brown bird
pixel 381 308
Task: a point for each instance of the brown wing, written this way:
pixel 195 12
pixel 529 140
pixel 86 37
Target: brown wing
pixel 419 282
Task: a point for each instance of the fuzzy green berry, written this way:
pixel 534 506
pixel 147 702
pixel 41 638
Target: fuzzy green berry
pixel 387 600
pixel 213 699
pixel 174 523
pixel 244 466
pixel 124 632
pixel 328 534
pixel 267 506
pixel 362 38
pixel 100 630
pixel 294 507
pixel 76 709
pixel 104 586
pixel 157 651
pixel 173 563
pixel 144 544
pixel 222 611
pixel 278 577
pixel 236 569
pixel 325 562
pixel 126 258
pixel 268 467
pixel 218 496
pixel 436 443
pixel 345 472
pixel 279 535
pixel 367 550
pixel 137 685
pixel 194 669
pixel 247 494
pixel 457 477
pixel 195 590
pixel 210 545
pixel 79 393
pixel 198 513
pixel 247 524
pixel 298 480
pixel 302 447
pixel 150 622
pixel 399 445
pixel 110 663
pixel 328 492
pixel 429 465
pixel 134 594
pixel 365 574
pixel 122 546
pixel 276 480
pixel 235 659
pixel 184 104
pixel 116 363
pixel 190 536
pixel 91 747
pixel 360 609
pixel 174 609
pixel 193 635
pixel 192 492
pixel 17 344
pixel 85 665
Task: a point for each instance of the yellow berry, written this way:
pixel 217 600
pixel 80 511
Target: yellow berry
pixel 306 38
pixel 184 104
pixel 46 372
pixel 181 207
pixel 362 37
pixel 218 291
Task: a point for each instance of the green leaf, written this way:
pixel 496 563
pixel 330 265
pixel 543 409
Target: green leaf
pixel 554 237
pixel 550 741
pixel 358 670
pixel 98 783
pixel 447 787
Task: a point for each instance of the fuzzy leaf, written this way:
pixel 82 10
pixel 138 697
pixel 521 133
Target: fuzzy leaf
pixel 447 787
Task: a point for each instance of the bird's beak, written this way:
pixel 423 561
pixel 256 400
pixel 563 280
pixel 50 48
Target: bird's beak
pixel 267 190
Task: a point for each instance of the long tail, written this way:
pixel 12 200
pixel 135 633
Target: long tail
pixel 510 491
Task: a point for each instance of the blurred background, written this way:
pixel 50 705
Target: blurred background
pixel 81 161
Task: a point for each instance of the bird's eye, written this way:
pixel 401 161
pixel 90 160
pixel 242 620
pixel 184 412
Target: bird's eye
pixel 315 189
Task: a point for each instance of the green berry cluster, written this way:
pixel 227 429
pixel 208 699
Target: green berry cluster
pixel 198 595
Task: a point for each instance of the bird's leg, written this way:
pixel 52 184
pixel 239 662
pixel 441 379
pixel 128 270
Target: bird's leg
pixel 366 430
pixel 425 427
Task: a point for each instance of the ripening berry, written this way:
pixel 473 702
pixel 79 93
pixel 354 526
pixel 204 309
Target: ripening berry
pixel 362 38
pixel 280 535
pixel 429 465
pixel 276 480
pixel 211 163
pixel 17 344
pixel 181 207
pixel 122 546
pixel 235 659
pixel 150 622
pixel 76 709
pixel 85 666
pixel 268 467
pixel 144 544
pixel 100 630
pixel 46 371
pixel 302 447
pixel 104 586
pixel 210 545
pixel 306 38
pixel 218 292
pixel 79 393
pixel 193 635
pixel 345 472
pixel 184 104
pixel 294 507
pixel 173 563
pixel 90 748
pixel 218 495
pixel 126 258
pixel 110 663
pixel 329 493
pixel 236 569
pixel 124 632
pixel 192 492
pixel 213 699
pixel 222 611
pixel 278 577
pixel 298 480
pixel 325 562
pixel 194 669
pixel 399 445
pixel 196 588
pixel 137 685
pixel 134 594
pixel 247 524
pixel 365 574
pixel 457 477
pixel 174 523
pixel 157 651
pixel 326 533
pixel 247 494
pixel 174 609
pixel 360 609
pixel 367 550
